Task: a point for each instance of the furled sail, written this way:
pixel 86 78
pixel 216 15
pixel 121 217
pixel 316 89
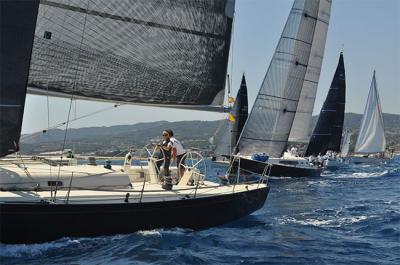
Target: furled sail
pixel 371 138
pixel 346 143
pixel 17 27
pixel 327 134
pixel 169 52
pixel 229 131
pixel 270 121
pixel 301 131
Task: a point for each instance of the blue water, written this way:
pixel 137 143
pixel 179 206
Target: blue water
pixel 351 216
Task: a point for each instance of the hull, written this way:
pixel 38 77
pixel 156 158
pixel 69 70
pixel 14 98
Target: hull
pixel 368 160
pixel 38 222
pixel 280 170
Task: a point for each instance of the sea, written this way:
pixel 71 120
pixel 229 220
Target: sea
pixel 347 216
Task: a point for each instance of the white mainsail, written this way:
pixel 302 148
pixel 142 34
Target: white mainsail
pixel 371 138
pixel 301 127
pixel 346 143
pixel 269 124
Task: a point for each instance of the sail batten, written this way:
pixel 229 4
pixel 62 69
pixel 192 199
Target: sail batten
pixel 371 138
pixel 152 52
pixel 269 124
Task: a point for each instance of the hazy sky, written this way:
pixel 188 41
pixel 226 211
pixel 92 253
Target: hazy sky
pixel 369 30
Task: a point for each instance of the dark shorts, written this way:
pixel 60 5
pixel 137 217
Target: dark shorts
pixel 179 159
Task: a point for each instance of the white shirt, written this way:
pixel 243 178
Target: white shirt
pixel 179 147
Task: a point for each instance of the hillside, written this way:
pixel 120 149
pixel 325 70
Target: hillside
pixel 114 139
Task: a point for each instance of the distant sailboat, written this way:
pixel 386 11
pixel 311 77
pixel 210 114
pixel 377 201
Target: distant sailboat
pixel 227 134
pixel 327 134
pixel 163 53
pixel 371 138
pixel 282 107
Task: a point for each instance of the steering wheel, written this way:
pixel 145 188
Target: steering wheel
pixel 195 163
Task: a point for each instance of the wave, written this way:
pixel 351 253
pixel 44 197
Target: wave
pixel 319 222
pixel 30 250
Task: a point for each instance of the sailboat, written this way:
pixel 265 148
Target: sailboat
pixel 169 54
pixel 227 134
pixel 283 106
pixel 327 134
pixel 371 141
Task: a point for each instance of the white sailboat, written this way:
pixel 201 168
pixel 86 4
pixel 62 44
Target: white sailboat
pixel 371 141
pixel 283 107
pixel 169 53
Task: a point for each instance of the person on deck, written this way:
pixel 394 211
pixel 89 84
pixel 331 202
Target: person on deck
pixel 167 148
pixel 178 151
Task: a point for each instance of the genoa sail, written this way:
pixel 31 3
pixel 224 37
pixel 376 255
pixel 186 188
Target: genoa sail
pixel 17 22
pixel 371 138
pixel 327 134
pixel 228 132
pixel 300 131
pixel 270 121
pixel 171 52
pixel 346 143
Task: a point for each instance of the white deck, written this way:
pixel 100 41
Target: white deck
pixel 96 184
pixel 152 193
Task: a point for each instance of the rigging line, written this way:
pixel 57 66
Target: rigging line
pixel 76 119
pixel 70 106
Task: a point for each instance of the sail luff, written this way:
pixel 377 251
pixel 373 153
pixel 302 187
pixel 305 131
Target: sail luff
pixel 17 23
pixel 371 137
pixel 327 133
pixel 300 131
pixel 172 52
pixel 269 123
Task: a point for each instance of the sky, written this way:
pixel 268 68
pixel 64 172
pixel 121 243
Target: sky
pixel 368 31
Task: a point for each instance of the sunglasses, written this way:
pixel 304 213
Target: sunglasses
pixel 165 134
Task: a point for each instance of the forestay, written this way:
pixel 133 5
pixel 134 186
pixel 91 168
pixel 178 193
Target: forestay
pixel 270 121
pixel 169 52
pixel 300 131
pixel 371 138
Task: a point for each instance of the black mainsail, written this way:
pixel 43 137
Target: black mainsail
pixel 17 23
pixel 327 134
pixel 170 52
pixel 239 114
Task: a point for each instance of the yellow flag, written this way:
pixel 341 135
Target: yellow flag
pixel 231 99
pixel 231 118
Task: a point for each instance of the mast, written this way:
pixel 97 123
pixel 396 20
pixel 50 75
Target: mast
pixel 327 133
pixel 371 138
pixel 269 124
pixel 17 24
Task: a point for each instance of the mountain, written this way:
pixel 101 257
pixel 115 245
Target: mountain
pixel 114 139
pixel 118 139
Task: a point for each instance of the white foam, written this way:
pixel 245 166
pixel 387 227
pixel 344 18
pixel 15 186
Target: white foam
pixel 155 232
pixel 334 222
pixel 20 250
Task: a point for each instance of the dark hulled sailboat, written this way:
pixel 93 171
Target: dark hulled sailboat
pixel 173 54
pixel 327 134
